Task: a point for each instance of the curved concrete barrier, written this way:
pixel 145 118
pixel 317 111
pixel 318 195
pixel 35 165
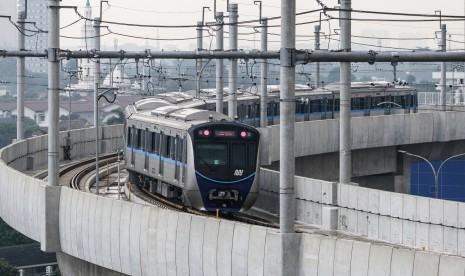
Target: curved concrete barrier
pixel 104 236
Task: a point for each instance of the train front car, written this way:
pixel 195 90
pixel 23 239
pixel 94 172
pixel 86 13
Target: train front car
pixel 225 161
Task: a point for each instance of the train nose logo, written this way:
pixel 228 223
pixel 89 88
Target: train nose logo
pixel 238 172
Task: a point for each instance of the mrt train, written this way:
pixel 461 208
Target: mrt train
pixel 367 99
pixel 202 158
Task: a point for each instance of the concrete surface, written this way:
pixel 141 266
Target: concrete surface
pixel 104 236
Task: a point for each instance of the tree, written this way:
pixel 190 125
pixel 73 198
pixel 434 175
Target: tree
pixel 117 118
pixel 335 75
pixel 9 236
pixel 7 270
pixel 8 127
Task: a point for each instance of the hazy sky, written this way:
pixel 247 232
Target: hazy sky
pixel 188 12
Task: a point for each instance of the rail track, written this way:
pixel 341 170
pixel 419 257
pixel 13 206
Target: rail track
pixel 165 203
pixel 72 175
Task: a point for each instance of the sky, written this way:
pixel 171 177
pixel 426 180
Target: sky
pixel 381 35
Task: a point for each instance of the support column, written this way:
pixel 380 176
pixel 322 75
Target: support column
pixel 219 63
pixel 199 60
pixel 50 194
pixel 289 239
pixel 232 89
pixel 345 156
pixel 96 109
pixel 264 75
pixel 20 70
pixel 443 68
pixel 287 114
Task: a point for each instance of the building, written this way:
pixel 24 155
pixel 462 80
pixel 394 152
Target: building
pixel 29 259
pixel 36 11
pixel 8 39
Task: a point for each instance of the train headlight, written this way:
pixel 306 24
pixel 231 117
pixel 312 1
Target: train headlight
pixel 243 134
pixel 204 132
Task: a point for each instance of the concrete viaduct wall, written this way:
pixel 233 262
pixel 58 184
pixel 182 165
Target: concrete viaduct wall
pixel 417 222
pixel 318 137
pixel 23 198
pixel 129 238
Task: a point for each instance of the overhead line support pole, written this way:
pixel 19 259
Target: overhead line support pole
pixel 264 75
pixel 345 83
pixel 96 105
pixel 20 71
pixel 232 88
pixel 289 239
pixel 317 47
pixel 219 62
pixel 443 68
pixel 198 61
pixel 53 90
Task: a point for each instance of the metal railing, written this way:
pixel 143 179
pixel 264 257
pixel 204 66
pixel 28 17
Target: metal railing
pixel 433 98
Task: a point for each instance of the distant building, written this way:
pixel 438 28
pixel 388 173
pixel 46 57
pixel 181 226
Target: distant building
pixel 36 12
pixel 8 39
pixel 29 259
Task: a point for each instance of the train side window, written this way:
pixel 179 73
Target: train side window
pixel 141 139
pixel 162 147
pixel 172 148
pixel 166 146
pixel 314 105
pixel 130 132
pixel 136 138
pixel 148 140
pixel 239 154
pixel 337 105
pixel 179 147
pixel 252 154
pixel 156 142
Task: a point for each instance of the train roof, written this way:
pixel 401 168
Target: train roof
pixel 175 116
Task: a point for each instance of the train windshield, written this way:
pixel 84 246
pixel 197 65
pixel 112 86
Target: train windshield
pixel 212 153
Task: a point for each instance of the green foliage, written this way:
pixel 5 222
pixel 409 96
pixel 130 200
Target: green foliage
pixel 119 119
pixel 8 127
pixel 74 116
pixel 7 270
pixel 7 99
pixel 335 76
pixel 9 236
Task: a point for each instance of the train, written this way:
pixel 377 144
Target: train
pixel 201 158
pixel 179 147
pixel 367 99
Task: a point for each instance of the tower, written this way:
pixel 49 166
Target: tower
pixel 86 66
